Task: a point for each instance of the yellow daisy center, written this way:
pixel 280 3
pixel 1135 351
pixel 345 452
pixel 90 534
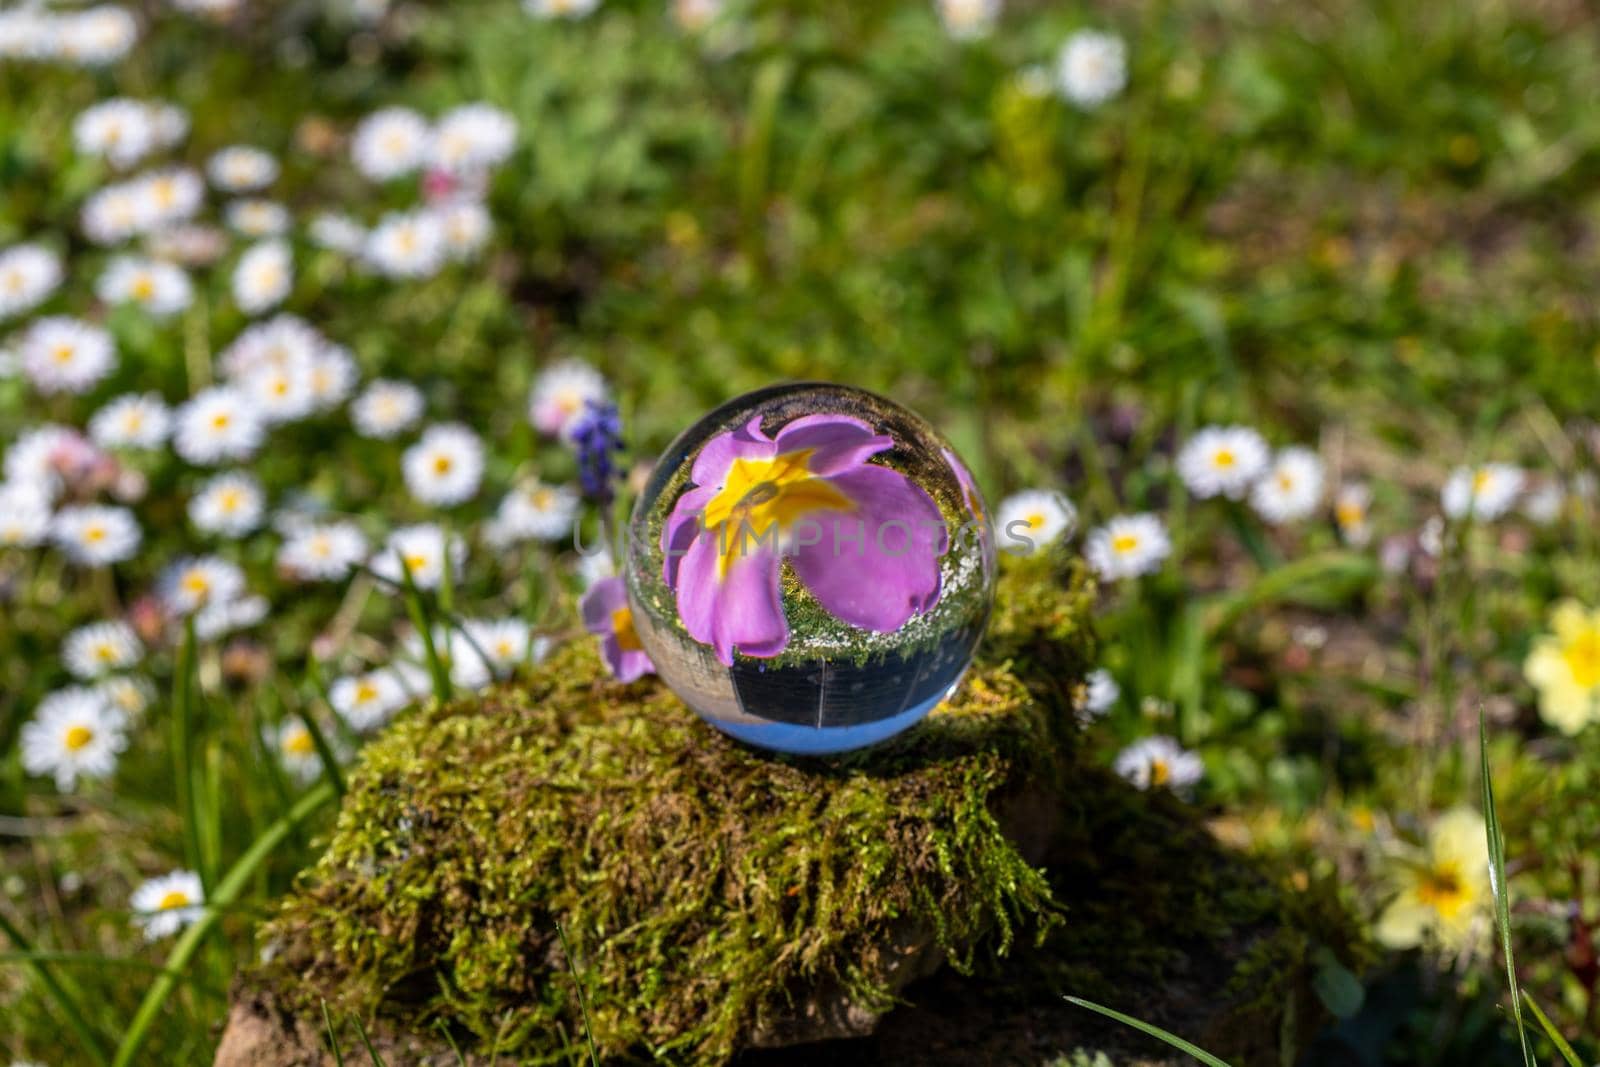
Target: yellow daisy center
pixel 1122 544
pixel 299 743
pixel 442 464
pixel 173 898
pixel 1224 458
pixel 77 738
pixel 1035 520
pixel 1160 773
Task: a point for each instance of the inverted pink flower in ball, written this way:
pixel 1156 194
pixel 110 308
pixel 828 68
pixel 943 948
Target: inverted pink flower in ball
pixel 861 537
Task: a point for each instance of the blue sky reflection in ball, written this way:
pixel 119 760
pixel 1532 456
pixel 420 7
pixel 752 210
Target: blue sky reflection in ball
pixel 810 567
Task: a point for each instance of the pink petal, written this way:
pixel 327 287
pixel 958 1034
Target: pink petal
pixel 877 566
pixel 838 442
pixel 741 610
pixel 717 455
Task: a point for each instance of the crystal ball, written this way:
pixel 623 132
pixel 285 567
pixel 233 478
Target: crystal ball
pixel 810 567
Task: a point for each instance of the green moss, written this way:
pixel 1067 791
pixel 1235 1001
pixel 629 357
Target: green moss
pixel 709 891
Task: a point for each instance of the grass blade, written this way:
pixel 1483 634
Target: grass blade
pixel 424 624
pixel 333 1037
pixel 1154 1031
pixel 1497 879
pixel 361 1031
pixel 583 1001
pixel 450 1040
pixel 1551 1032
pixel 228 888
pixel 183 685
pixel 330 762
pixel 65 1002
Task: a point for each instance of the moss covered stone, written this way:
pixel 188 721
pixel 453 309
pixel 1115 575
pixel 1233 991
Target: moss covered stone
pixel 715 899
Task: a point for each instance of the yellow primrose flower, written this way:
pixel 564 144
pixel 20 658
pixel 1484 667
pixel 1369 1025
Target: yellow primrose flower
pixel 1565 667
pixel 1444 890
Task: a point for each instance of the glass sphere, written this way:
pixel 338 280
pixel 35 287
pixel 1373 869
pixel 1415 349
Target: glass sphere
pixel 810 567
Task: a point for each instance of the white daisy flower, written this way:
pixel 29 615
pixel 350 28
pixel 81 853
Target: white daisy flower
pixel 1485 492
pixel 408 244
pixel 390 143
pixel 338 233
pixel 161 288
pixel 169 196
pixel 119 130
pixel 1128 546
pixel 533 512
pixel 131 421
pixel 257 218
pixel 280 391
pixel 966 20
pixel 65 355
pixel 216 425
pixel 95 535
pixel 191 244
pixel 560 9
pixel 472 138
pixel 1291 488
pixel 1028 520
pixel 385 409
pixel 115 214
pixel 1092 68
pixel 95 36
pixel 323 552
pixel 366 701
pixel 465 227
pixel 72 735
pixel 1350 511
pixel 163 906
pixel 241 169
pixel 445 467
pixel 128 695
pixel 263 277
pixel 219 618
pixel 282 340
pixel 333 376
pixel 1223 461
pixel 27 33
pixel 29 273
pixel 560 394
pixel 1100 692
pixel 196 582
pixel 91 651
pixel 422 548
pixel 170 123
pixel 594 565
pixel 1544 503
pixel 508 644
pixel 34 459
pixel 1159 762
pixel 297 751
pixel 230 504
pixel 24 515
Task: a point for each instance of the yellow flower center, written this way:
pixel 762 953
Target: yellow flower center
pixel 761 493
pixel 622 626
pixel 229 500
pixel 1442 889
pixel 105 653
pixel 77 737
pixel 366 692
pixel 416 561
pixel 1224 458
pixel 94 534
pixel 543 498
pixel 220 420
pixel 1285 482
pixel 174 898
pixel 1122 544
pixel 1350 513
pixel 442 465
pixel 1035 520
pixel 143 288
pixel 63 353
pixel 299 743
pixel 1582 654
pixel 1160 773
